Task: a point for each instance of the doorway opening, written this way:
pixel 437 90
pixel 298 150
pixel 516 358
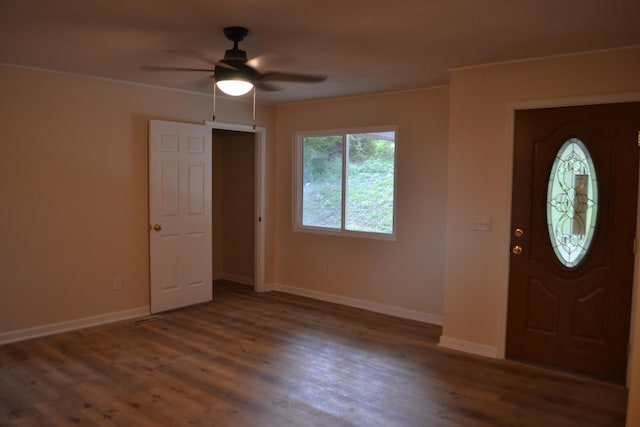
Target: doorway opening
pixel 233 206
pixel 238 203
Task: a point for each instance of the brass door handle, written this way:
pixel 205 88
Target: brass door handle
pixel 157 227
pixel 516 250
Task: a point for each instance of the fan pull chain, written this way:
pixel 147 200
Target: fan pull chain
pixel 254 107
pixel 214 101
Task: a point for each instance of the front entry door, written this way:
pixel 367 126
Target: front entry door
pixel 572 238
pixel 179 214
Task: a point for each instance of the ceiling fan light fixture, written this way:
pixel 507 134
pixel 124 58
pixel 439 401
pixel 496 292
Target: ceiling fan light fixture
pixel 234 87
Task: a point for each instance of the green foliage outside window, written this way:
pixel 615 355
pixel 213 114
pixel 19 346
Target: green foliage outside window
pixel 322 181
pixel 368 186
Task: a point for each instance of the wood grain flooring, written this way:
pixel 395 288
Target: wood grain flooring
pixel 249 359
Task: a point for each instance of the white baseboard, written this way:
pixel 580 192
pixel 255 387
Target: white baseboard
pixel 468 347
pixel 233 278
pixel 70 325
pixel 434 319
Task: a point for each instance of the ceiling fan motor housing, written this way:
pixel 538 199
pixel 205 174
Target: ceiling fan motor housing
pixel 225 73
pixel 235 55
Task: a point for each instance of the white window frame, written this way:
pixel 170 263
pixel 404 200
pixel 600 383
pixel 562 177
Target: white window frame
pixel 297 189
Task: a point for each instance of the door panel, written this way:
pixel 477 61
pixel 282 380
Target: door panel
pixel 574 317
pixel 180 208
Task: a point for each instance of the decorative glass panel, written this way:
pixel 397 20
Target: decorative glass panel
pixel 572 202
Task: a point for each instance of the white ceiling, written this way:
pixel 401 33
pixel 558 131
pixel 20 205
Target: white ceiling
pixel 364 46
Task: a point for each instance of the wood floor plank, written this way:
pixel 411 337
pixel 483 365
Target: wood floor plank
pixel 250 359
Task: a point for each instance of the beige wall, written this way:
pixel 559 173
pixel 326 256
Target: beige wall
pixel 407 273
pixel 73 188
pixel 74 169
pixel 234 211
pixel 479 177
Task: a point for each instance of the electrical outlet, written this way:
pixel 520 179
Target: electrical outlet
pixel 323 269
pixel 117 283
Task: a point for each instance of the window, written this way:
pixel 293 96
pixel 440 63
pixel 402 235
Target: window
pixel 345 182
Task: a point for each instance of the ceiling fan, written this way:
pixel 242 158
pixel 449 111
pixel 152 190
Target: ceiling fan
pixel 234 75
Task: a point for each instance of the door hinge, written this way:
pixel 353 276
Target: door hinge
pixel 639 138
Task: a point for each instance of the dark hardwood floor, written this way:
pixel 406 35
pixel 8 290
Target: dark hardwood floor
pixel 249 359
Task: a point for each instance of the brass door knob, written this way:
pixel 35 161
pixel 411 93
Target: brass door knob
pixel 516 250
pixel 157 227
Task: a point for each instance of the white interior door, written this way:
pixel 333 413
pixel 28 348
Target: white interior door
pixel 180 214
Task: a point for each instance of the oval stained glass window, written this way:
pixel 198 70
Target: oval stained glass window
pixel 572 202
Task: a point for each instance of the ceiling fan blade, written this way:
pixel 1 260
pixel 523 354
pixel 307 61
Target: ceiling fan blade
pixel 189 53
pixel 160 68
pixel 263 61
pixel 280 76
pixel 268 87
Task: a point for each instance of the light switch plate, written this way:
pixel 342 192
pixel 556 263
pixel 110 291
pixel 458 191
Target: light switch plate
pixel 481 223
